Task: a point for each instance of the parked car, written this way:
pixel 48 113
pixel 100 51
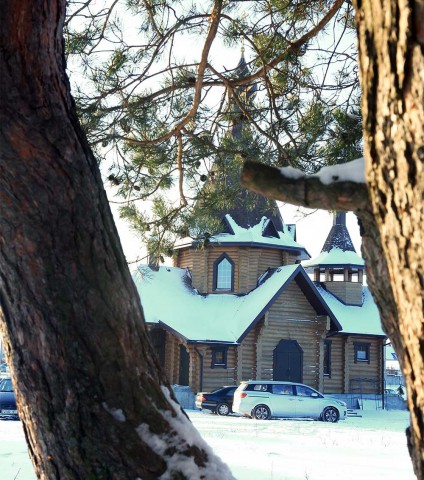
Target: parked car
pixel 8 407
pixel 399 391
pixel 220 401
pixel 4 371
pixel 265 399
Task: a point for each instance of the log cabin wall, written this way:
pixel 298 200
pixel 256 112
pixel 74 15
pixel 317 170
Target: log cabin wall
pixel 289 258
pixel 183 258
pixel 195 259
pixel 363 376
pixel 249 264
pixel 291 317
pixel 334 383
pixel 194 373
pixel 348 292
pixel 172 358
pixel 269 257
pixel 246 354
pixel 218 377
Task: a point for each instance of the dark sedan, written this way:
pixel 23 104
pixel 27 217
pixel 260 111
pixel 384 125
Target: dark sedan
pixel 7 400
pixel 220 401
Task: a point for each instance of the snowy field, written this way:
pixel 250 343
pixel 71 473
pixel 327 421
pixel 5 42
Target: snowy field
pixel 372 447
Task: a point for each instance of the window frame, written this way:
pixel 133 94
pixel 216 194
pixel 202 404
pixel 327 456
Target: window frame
pixel 359 345
pixel 218 350
pixel 216 263
pixel 326 368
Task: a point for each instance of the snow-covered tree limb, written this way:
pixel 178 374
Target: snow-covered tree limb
pixel 340 187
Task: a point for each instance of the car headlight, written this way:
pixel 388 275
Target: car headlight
pixel 343 404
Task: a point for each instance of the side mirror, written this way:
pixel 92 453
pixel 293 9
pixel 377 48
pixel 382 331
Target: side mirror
pixel 315 395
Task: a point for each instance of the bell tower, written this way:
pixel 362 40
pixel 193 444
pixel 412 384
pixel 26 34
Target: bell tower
pixel 338 268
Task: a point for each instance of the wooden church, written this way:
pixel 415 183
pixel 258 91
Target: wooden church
pixel 245 307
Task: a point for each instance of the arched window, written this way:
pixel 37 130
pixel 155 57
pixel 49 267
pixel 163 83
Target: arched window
pixel 223 273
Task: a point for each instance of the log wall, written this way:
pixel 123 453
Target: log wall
pixel 291 317
pixel 364 377
pixel 347 292
pixel 334 383
pixel 249 264
pixel 218 377
pixel 247 355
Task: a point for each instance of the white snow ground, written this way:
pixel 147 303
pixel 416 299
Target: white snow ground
pixel 372 447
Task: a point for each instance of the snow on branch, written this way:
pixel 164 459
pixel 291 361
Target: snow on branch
pixel 339 187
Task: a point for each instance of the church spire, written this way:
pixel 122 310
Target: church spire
pixel 339 235
pixel 245 95
pixel 338 267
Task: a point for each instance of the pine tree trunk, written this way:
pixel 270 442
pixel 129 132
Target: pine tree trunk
pixel 90 394
pixel 391 48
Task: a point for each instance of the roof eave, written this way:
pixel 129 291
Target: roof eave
pixel 361 334
pixel 334 265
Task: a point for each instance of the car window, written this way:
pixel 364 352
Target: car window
pixel 260 387
pixel 220 390
pixel 6 385
pixel 303 391
pixel 282 389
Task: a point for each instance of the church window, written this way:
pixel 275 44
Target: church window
pixel 224 273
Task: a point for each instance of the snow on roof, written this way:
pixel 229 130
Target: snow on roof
pixel 338 249
pixel 363 320
pixel 255 235
pixel 168 297
pixel 335 257
pixel 353 171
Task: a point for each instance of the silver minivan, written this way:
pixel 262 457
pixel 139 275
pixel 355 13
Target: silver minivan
pixel 262 400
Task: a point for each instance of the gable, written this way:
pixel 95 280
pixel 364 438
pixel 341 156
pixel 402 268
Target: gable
pixel 226 226
pixel 292 303
pixel 309 291
pixel 269 230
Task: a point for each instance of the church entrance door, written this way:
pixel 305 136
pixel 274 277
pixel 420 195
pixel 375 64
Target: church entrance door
pixel 288 361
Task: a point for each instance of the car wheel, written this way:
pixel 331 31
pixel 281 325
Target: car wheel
pixel 222 409
pixel 330 414
pixel 261 412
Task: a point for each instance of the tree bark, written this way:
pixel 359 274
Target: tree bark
pixel 391 214
pixel 391 52
pixel 91 396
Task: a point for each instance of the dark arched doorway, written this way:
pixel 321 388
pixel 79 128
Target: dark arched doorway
pixel 183 375
pixel 288 361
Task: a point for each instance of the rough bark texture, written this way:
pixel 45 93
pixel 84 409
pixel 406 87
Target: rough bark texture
pixel 88 385
pixel 391 52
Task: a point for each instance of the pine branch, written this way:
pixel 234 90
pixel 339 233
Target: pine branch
pixel 294 46
pixel 213 29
